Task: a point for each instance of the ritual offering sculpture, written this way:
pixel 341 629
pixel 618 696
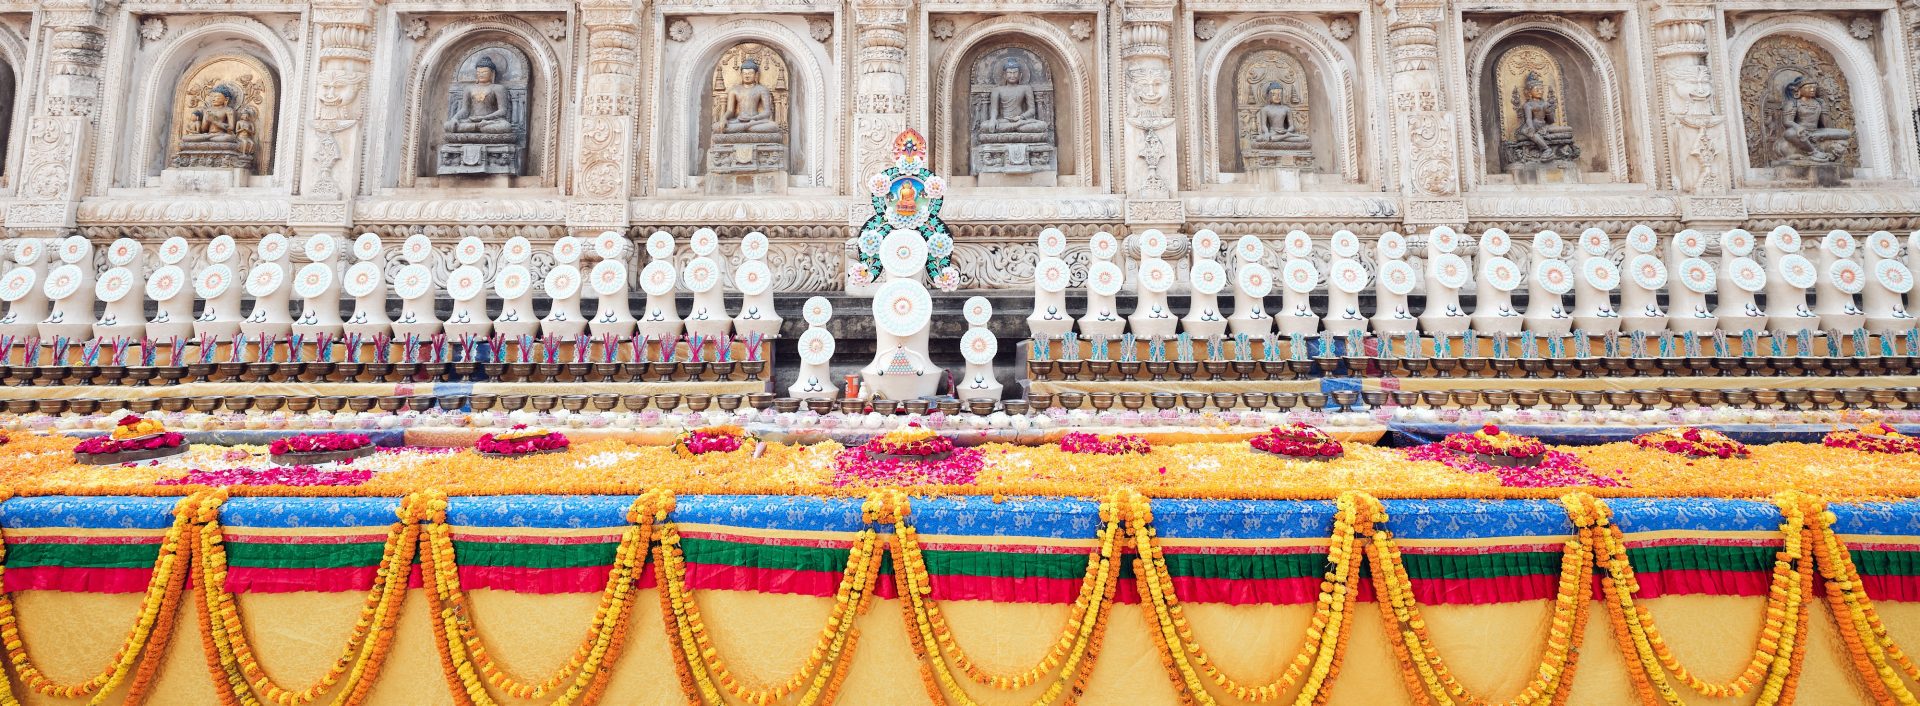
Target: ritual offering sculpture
pixel 708 316
pixel 1888 283
pixel 902 308
pixel 978 346
pixel 612 316
pixel 366 282
pixel 1691 280
pixel 1152 317
pixel 69 285
pixel 1740 278
pixel 318 287
pixel 1593 310
pixel 1646 275
pixel 267 284
pixel 513 284
pixel 1104 279
pixel 219 291
pixel 1050 277
pixel 120 288
pixel 1840 279
pixel 413 284
pixel 563 319
pixel 1396 279
pixel 21 288
pixel 755 281
pixel 1547 289
pixel 170 291
pixel 1493 311
pixel 815 380
pixel 659 279
pixel 1252 282
pixel 1346 279
pixel 1299 276
pixel 1207 277
pixel 1789 276
pixel 467 287
pixel 1447 273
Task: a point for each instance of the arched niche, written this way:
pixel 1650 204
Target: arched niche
pixel 526 66
pixel 685 111
pixel 776 75
pixel 171 81
pixel 1326 78
pixel 1590 96
pixel 13 53
pixel 1050 67
pixel 1850 83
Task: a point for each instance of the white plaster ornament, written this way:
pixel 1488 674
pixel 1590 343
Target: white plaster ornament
pixel 1496 278
pixel 122 289
pixel 902 309
pixel 708 317
pixel 367 284
pixel 563 319
pixel 1839 279
pixel 1643 277
pixel 69 286
pixel 815 379
pixel 1346 279
pixel 754 279
pixel 1888 282
pixel 1152 316
pixel 1252 282
pixel 413 284
pixel 1394 280
pixel 513 284
pixel 20 289
pixel 612 314
pixel 467 287
pixel 1447 273
pixel 1104 279
pixel 1740 277
pixel 661 317
pixel 1599 276
pixel 317 283
pixel 1203 319
pixel 978 346
pixel 1789 276
pixel 168 288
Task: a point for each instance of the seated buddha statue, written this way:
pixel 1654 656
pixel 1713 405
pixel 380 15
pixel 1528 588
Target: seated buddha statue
pixel 1807 131
pixel 217 134
pixel 749 108
pixel 1012 107
pixel 1538 133
pixel 1276 128
pixel 485 108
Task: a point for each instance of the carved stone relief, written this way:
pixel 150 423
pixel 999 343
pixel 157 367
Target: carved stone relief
pixel 1010 102
pixel 1272 111
pixel 1783 124
pixel 224 111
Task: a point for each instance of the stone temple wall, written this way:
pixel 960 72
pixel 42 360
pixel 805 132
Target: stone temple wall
pixel 1144 114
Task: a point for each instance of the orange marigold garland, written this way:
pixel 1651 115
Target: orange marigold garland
pixel 1876 657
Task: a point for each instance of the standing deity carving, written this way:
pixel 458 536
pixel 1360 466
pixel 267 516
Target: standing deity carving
pixel 486 128
pixel 751 106
pixel 1011 97
pixel 223 108
pixel 1797 107
pixel 1271 105
pixel 1532 119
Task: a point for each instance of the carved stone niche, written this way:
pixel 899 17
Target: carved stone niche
pixel 1797 113
pixel 484 96
pixel 484 132
pixel 1011 117
pixel 224 110
pixel 1272 114
pixel 1543 108
pixel 7 87
pixel 748 108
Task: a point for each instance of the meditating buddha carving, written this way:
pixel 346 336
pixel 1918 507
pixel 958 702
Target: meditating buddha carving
pixel 1807 134
pixel 747 151
pixel 749 105
pixel 223 108
pixel 486 128
pixel 1012 115
pixel 485 108
pixel 1013 107
pixel 1277 129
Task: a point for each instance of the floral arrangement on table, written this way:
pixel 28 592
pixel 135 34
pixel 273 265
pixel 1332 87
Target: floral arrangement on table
pixel 133 438
pixel 520 441
pixel 1299 441
pixel 290 476
pixel 1080 442
pixel 911 442
pixel 1692 442
pixel 1495 446
pixel 721 438
pixel 308 449
pixel 1878 438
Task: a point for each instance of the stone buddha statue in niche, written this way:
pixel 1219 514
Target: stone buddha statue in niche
pixel 1269 109
pixel 747 153
pixel 1011 101
pixel 485 132
pixel 223 110
pixel 1276 125
pixel 1538 135
pixel 749 106
pixel 1012 107
pixel 1806 133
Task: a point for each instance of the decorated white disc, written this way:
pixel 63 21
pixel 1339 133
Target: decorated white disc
pixel 368 247
pixel 467 282
pixel 165 283
pixel 319 247
pixel 1391 245
pixel 977 310
pixel 1784 239
pixel 1495 242
pixel 563 281
pixel 1549 244
pixel 1690 243
pixel 1697 275
pixel 1398 277
pixel 702 274
pixel 267 278
pixel 1297 244
pixel 313 279
pixel 1345 244
pixel 62 282
pixel 609 244
pixel 512 281
pixel 418 248
pixel 113 285
pixel 657 278
pixel 1206 244
pixel 816 346
pixel 1847 276
pixel 273 247
pixel 754 246
pixel 1051 274
pixel 1104 278
pixel 903 253
pixel 469 251
pixel 817 311
pixel 1156 276
pixel 415 281
pixel 362 279
pixel 1153 243
pixel 753 278
pixel 1207 276
pixel 1450 270
pixel 1797 271
pixel 1249 248
pixel 1747 274
pixel 1883 244
pixel 1647 271
pixel 1104 246
pixel 1347 275
pixel 1839 243
pixel 609 277
pixel 1501 273
pixel 1890 273
pixel 1300 274
pixel 28 251
pixel 222 249
pixel 566 250
pixel 123 252
pixel 1443 240
pixel 1600 273
pixel 212 281
pixel 1594 241
pixel 1736 243
pixel 901 307
pixel 1253 279
pixel 517 250
pixel 1642 240
pixel 705 242
pixel 1554 276
pixel 74 249
pixel 978 346
pixel 660 245
pixel 1052 242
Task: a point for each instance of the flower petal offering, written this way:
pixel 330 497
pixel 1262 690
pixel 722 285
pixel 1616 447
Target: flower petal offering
pixel 1878 438
pixel 1080 442
pixel 1299 441
pixel 1692 442
pixel 315 449
pixel 910 443
pixel 1493 446
pixel 724 438
pixel 133 439
pixel 521 441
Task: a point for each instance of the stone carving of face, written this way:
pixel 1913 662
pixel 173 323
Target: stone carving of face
pixel 1275 97
pixel 1151 85
pixel 1011 76
pixel 218 99
pixel 1536 91
pixel 339 87
pixel 1808 90
pixel 749 76
pixel 484 74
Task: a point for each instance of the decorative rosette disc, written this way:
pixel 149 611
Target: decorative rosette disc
pixel 978 311
pixel 469 251
pixel 1642 240
pixel 563 281
pixel 1697 275
pixel 362 279
pixel 978 346
pixel 274 247
pixel 1784 239
pixel 1206 244
pixel 902 307
pixel 609 277
pixel 312 280
pixel 566 250
pixel 1594 241
pixel 1104 278
pixel 267 278
pixel 903 253
pixel 1104 246
pixel 415 281
pixel 1690 243
pixel 28 251
pixel 173 251
pixel 1839 243
pixel 1345 244
pixel 1495 242
pixel 1052 243
pixel 1600 273
pixel 816 346
pixel 702 275
pixel 1300 275
pixel 1648 271
pixel 319 247
pixel 113 285
pixel 1348 276
pixel 1450 271
pixel 1847 276
pixel 1554 276
pixel 512 281
pixel 1398 277
pixel 705 242
pixel 754 246
pixel 1890 274
pixel 1549 244
pixel 74 249
pixel 1501 273
pixel 657 278
pixel 1250 249
pixel 18 284
pixel 1156 276
pixel 1884 244
pixel 753 278
pixel 1297 244
pixel 1207 276
pixel 1747 274
pixel 1254 279
pixel 466 282
pixel 609 244
pixel 212 281
pixel 660 245
pixel 123 252
pixel 222 249
pixel 367 246
pixel 164 283
pixel 817 311
pixel 418 248
pixel 1051 274
pixel 1736 243
pixel 1153 243
pixel 1443 240
pixel 1797 271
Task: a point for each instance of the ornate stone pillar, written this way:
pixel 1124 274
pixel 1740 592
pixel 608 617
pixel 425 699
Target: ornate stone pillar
pixel 1700 165
pixel 59 140
pixel 1424 126
pixel 604 168
pixel 343 44
pixel 880 101
pixel 1910 16
pixel 1150 158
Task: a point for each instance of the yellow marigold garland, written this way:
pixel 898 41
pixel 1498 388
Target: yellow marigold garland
pixel 1876 657
pixel 163 594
